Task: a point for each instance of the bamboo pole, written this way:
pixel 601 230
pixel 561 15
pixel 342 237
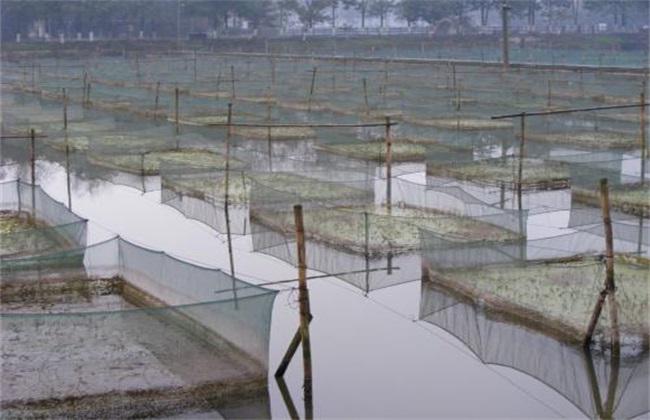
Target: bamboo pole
pixel 644 150
pixel 520 169
pixel 505 40
pixel 365 95
pixel 305 313
pixel 32 158
pixel 610 287
pixel 226 210
pixel 67 147
pixel 311 89
pixel 232 82
pixel 155 106
pixel 389 172
pixel 176 94
pixel 268 129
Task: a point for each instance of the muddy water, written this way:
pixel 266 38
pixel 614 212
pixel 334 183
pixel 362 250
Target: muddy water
pixel 371 355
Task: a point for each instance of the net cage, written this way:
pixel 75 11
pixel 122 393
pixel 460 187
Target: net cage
pixel 613 129
pixel 35 226
pixel 154 335
pixel 628 192
pixel 598 382
pixel 551 283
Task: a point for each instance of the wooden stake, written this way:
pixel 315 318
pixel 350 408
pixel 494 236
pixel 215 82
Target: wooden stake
pixel 232 82
pixel 32 158
pixel 176 93
pixel 311 89
pixel 302 335
pixel 610 287
pixel 67 147
pixel 226 205
pixel 520 169
pixel 155 105
pixel 644 151
pixel 504 19
pixel 389 172
pixel 365 95
pixel 305 313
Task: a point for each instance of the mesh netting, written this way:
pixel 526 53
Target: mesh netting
pixel 154 335
pixel 599 384
pixel 35 225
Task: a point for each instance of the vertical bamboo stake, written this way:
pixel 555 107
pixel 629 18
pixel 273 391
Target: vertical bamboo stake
pixel 458 89
pixel 84 90
pixel 88 94
pixel 520 169
pixel 155 105
pixel 67 147
pixel 232 81
pixel 504 19
pixel 273 71
pixel 548 94
pixel 365 95
pixel 303 297
pixel 268 129
pixel 32 158
pixel 389 175
pixel 609 274
pixel 176 93
pixel 610 285
pixel 226 203
pixel 311 89
pixel 367 245
pixel 643 135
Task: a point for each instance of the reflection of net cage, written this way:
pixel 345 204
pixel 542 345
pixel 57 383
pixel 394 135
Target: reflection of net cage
pixel 156 334
pixel 550 283
pixel 599 383
pixel 35 226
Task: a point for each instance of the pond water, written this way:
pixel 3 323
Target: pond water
pixel 372 355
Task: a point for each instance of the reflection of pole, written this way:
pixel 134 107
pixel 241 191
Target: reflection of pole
pixel 226 200
pixel 67 146
pixel 504 19
pixel 286 397
pixel 389 174
pixel 305 314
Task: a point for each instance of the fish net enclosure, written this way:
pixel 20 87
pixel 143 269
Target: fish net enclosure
pixel 349 234
pixel 133 333
pixel 599 383
pixel 549 283
pixel 35 227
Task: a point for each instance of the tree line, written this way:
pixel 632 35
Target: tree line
pixel 116 18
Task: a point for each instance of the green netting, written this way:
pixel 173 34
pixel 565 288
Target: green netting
pixel 550 284
pixel 33 224
pixel 599 383
pixel 455 200
pixel 139 333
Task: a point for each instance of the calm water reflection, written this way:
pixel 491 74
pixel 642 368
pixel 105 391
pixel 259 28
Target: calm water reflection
pixel 384 354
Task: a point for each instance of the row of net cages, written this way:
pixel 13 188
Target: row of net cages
pixel 118 330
